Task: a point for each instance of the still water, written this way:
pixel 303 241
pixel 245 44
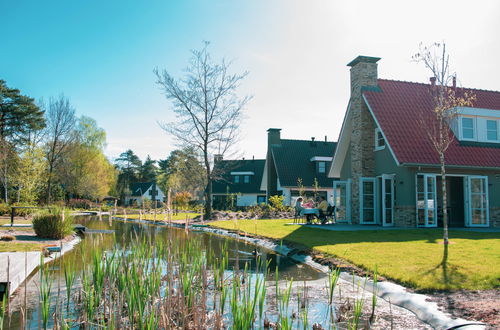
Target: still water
pixel 110 235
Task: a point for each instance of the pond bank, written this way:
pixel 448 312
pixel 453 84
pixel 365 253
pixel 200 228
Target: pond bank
pixel 16 267
pixel 392 294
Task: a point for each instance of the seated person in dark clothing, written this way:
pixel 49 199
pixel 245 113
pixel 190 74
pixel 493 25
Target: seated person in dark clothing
pixel 323 207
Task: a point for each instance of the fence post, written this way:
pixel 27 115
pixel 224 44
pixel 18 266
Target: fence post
pixel 12 214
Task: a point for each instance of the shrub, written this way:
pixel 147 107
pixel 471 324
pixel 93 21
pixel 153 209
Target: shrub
pixel 51 223
pixel 80 203
pixel 4 209
pixel 276 202
pixel 7 238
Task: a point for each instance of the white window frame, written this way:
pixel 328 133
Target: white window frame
pixel 474 128
pixel 377 146
pixel 488 130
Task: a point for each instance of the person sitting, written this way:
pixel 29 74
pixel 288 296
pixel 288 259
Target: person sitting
pixel 323 208
pixel 299 207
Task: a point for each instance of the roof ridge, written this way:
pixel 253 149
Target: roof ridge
pixel 428 84
pixel 308 140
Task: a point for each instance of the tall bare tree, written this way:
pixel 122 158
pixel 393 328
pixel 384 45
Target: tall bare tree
pixel 207 108
pixel 447 100
pixel 60 134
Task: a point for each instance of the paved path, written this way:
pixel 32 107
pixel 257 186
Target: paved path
pixel 15 267
pixel 347 227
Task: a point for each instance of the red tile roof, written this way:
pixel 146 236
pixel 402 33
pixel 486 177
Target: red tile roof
pixel 398 108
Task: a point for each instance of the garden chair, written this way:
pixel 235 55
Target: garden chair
pixel 297 218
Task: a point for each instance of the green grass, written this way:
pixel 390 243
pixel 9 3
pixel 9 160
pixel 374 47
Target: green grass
pixel 411 257
pixel 159 216
pixel 19 247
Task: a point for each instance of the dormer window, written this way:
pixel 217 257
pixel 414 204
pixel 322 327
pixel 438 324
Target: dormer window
pixel 491 130
pixel 321 167
pixel 236 179
pixel 468 128
pixel 246 179
pixel 379 139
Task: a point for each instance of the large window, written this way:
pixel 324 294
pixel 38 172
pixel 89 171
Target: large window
pixel 379 140
pixel 367 205
pixel 492 130
pixel 467 128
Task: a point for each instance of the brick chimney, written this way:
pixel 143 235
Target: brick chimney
pixel 363 75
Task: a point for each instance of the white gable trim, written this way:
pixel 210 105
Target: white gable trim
pixel 242 173
pixel 263 182
pixel 342 146
pixel 321 159
pixel 381 131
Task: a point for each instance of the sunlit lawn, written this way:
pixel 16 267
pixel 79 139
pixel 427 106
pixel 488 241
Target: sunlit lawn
pixel 160 216
pixel 411 257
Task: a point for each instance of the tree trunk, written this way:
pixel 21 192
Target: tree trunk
pixel 208 191
pixel 49 185
pixel 5 181
pixel 445 199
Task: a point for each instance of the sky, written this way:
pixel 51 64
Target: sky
pixel 101 55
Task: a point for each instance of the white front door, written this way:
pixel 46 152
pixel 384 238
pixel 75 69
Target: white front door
pixel 426 200
pixel 368 201
pixel 342 200
pixel 477 206
pixel 387 199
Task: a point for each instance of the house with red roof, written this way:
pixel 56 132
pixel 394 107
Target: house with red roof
pixel 389 171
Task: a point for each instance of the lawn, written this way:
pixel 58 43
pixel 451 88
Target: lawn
pixel 159 216
pixel 19 247
pixel 412 257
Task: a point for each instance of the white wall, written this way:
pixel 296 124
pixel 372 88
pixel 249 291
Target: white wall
pixel 246 199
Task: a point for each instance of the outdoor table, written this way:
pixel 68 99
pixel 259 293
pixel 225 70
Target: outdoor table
pixel 310 213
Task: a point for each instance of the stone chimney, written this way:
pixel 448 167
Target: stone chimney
pixel 363 75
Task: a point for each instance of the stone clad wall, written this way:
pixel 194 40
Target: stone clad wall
pixel 405 216
pixel 495 217
pixel 363 127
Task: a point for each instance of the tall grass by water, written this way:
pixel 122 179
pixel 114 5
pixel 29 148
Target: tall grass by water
pixel 176 284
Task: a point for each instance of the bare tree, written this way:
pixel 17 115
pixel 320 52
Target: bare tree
pixel 60 134
pixel 446 103
pixel 207 108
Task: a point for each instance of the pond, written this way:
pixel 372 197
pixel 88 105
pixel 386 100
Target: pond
pixel 134 275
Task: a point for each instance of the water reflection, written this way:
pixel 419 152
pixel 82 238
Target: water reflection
pixel 241 255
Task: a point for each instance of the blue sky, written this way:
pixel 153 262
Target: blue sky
pixel 101 55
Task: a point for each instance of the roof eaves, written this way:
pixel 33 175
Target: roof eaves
pixel 450 166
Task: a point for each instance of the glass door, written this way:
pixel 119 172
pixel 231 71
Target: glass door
pixel 341 200
pixel 368 211
pixel 387 200
pixel 426 200
pixel 478 211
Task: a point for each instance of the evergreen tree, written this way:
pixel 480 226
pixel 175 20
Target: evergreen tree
pixel 19 115
pixel 148 170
